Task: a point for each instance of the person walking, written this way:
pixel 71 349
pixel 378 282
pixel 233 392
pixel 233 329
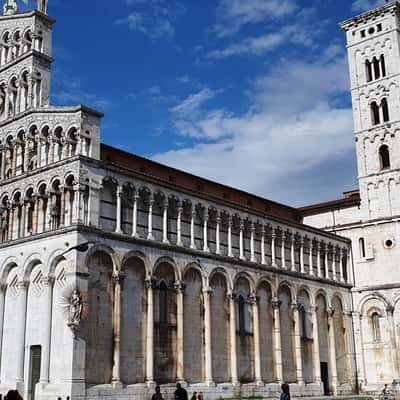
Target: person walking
pixel 285 392
pixel 194 397
pixel 157 395
pixel 13 395
pixel 180 393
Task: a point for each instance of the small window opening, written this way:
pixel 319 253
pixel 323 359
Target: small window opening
pixel 361 245
pixel 363 33
pixel 379 27
pixel 384 157
pixel 368 67
pixel 383 66
pixel 371 31
pixel 376 329
pixel 385 110
pixel 375 113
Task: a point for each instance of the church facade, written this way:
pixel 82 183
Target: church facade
pixel 118 273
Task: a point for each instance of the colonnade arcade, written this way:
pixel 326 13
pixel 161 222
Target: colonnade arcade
pixel 169 218
pixel 15 44
pixel 197 327
pixel 33 148
pixel 163 323
pixel 46 207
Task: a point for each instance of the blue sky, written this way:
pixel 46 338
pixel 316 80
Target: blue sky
pixel 250 93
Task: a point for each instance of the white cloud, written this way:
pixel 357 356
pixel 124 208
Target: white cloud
pixel 291 129
pixel 153 18
pixel 265 43
pixel 233 14
pixel 193 102
pixel 365 5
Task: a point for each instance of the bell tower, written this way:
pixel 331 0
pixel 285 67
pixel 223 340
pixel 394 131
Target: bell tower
pixel 25 60
pixel 373 42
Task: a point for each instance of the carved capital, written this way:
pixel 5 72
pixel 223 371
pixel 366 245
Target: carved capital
pixel 149 284
pixel 276 303
pixel 179 287
pixel 390 310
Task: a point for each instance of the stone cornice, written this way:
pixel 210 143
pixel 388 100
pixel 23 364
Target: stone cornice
pixel 34 13
pixel 394 6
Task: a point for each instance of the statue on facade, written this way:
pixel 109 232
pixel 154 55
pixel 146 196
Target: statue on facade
pixel 75 310
pixel 10 7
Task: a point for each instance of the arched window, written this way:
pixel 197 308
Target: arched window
pixel 383 66
pixel 375 113
pixel 377 69
pixel 384 157
pixel 242 316
pixel 385 110
pixel 163 303
pixel 361 245
pixel 368 67
pixel 376 328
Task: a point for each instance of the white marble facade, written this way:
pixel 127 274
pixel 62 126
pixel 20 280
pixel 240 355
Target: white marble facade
pixel 180 279
pixel 369 216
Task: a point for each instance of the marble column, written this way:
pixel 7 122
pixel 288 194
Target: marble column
pixel 165 222
pixel 302 269
pixel 46 324
pixel 348 336
pixel 341 255
pixel 252 249
pixel 233 355
pixel 273 255
pixel 332 354
pixel 292 252
pixel 207 337
pixel 230 222
pixel 26 156
pixel 257 344
pixel 135 215
pixel 62 208
pixel 283 251
pixel 150 334
pixel 179 226
pixel 263 245
pixel 334 254
pixel 392 337
pixel 310 259
pixel 326 272
pixel 180 288
pixel 116 372
pixel 319 273
pixel 118 225
pixel 358 341
pixel 241 241
pixel 192 228
pixel 277 342
pixel 205 232
pixel 3 289
pixel 297 344
pixel 150 219
pixel 315 347
pixel 20 334
pixel 218 236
